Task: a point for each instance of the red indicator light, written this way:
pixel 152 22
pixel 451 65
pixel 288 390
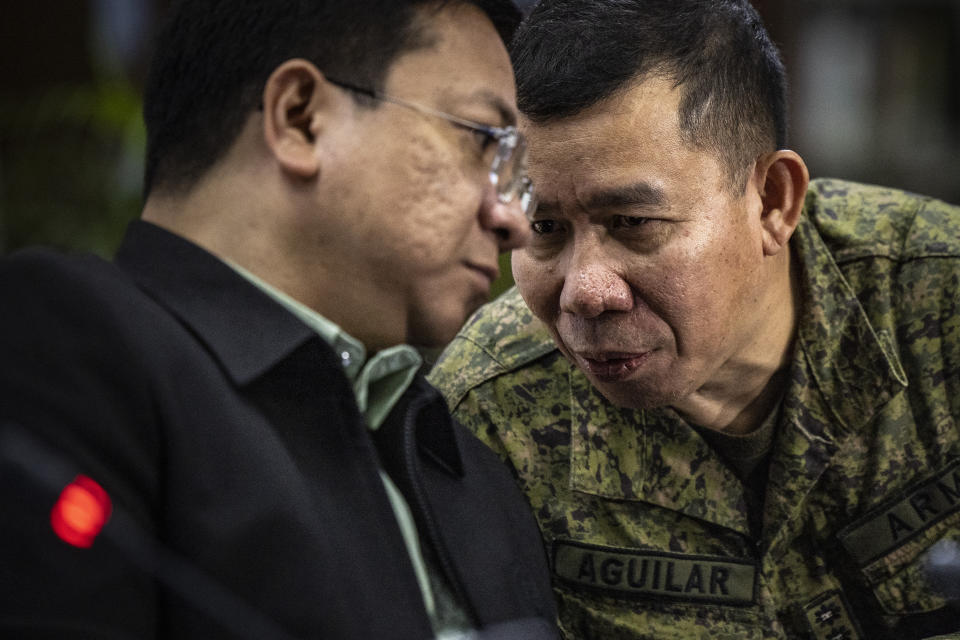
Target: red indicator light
pixel 80 513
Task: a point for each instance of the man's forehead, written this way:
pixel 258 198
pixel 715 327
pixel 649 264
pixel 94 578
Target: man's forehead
pixel 607 142
pixel 465 62
pixel 484 96
pixel 651 98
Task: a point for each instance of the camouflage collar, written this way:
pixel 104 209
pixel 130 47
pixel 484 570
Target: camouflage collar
pixel 656 457
pixel 653 456
pixel 844 372
pixel 854 366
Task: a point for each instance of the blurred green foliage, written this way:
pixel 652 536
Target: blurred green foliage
pixel 71 161
pixel 505 281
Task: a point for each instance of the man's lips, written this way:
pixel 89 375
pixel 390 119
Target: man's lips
pixel 611 366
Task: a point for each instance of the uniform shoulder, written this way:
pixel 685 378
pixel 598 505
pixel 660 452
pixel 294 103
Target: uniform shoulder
pixel 858 221
pixel 500 337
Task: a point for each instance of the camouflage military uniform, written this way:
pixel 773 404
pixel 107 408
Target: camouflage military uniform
pixel 647 529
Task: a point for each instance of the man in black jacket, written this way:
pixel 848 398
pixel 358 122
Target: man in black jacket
pixel 223 433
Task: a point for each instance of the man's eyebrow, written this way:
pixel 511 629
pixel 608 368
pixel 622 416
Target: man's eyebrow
pixel 508 115
pixel 641 194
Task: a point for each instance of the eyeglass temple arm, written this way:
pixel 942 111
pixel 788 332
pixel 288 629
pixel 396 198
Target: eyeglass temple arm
pixel 496 132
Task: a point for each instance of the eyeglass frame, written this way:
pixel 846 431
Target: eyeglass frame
pixel 509 142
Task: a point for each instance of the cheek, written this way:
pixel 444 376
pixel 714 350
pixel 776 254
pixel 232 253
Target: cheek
pixel 704 296
pixel 538 284
pixel 436 205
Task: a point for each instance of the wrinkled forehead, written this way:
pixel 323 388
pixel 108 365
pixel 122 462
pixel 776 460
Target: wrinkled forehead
pixel 629 127
pixel 631 138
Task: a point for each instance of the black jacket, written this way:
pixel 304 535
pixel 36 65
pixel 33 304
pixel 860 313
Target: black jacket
pixel 245 487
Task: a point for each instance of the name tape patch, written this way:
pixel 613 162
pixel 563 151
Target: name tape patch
pixel 642 573
pixel 898 520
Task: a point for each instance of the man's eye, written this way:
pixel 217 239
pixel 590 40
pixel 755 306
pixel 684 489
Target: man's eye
pixel 628 222
pixel 483 139
pixel 543 227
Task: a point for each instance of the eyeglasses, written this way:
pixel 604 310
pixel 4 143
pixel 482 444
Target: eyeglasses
pixel 508 170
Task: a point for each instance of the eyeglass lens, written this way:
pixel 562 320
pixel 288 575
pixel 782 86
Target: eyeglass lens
pixel 509 174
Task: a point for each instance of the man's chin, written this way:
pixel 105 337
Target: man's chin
pixel 436 333
pixel 633 393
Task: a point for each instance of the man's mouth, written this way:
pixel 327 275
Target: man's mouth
pixel 611 367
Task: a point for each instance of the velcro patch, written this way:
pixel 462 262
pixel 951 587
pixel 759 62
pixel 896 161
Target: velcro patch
pixel 643 573
pixel 829 617
pixel 908 514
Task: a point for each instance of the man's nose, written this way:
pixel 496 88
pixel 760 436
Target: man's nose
pixel 506 220
pixel 591 286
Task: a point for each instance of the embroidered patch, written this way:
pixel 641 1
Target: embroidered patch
pixel 829 617
pixel 642 573
pixel 898 520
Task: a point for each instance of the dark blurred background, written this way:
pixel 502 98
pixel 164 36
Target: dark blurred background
pixel 875 97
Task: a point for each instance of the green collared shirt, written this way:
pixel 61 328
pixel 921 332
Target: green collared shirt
pixel 378 384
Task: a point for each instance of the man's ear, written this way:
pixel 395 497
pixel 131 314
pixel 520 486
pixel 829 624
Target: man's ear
pixel 297 101
pixel 782 178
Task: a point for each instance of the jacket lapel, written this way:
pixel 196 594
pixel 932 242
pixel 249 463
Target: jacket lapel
pixel 246 331
pixel 295 381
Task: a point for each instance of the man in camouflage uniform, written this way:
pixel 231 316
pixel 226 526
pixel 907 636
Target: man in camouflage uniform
pixel 730 395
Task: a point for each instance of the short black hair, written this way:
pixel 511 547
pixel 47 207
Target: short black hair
pixel 571 54
pixel 212 59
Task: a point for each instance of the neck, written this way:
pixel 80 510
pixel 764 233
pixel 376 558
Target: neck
pixel 219 215
pixel 751 384
pixel 247 229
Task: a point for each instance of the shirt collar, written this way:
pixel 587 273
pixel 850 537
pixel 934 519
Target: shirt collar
pixel 854 365
pixel 377 383
pixel 217 305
